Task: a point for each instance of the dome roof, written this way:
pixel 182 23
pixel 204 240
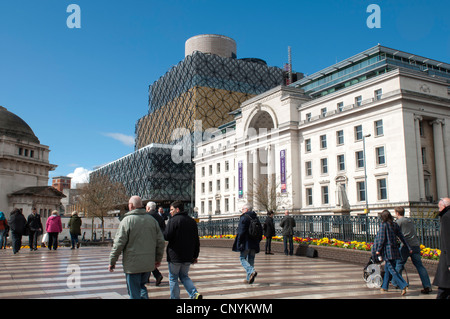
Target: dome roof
pixel 13 126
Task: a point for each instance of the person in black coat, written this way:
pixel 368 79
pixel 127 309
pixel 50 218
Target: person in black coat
pixel 17 224
pixel 34 225
pixel 151 209
pixel 269 232
pixel 442 277
pixel 183 249
pixel 245 245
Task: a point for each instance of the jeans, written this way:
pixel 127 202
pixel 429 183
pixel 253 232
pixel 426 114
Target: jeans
pixel 417 262
pixel 397 279
pixel 180 271
pixel 52 241
pixel 268 244
pixel 16 241
pixel 247 259
pixel 74 239
pixel 32 239
pixel 3 238
pixel 288 239
pixel 136 285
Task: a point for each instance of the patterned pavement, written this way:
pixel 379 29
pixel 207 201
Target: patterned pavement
pixel 83 274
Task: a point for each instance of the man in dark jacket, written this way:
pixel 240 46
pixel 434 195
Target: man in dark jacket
pixel 151 209
pixel 34 227
pixel 247 246
pixel 442 277
pixel 288 224
pixel 17 224
pixel 182 250
pixel 269 232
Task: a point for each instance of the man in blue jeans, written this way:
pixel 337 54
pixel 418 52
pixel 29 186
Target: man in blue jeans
pixel 140 240
pixel 409 232
pixel 183 249
pixel 245 244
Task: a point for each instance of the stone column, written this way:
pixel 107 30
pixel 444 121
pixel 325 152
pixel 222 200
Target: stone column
pixel 439 158
pixel 270 168
pixel 420 177
pixel 255 181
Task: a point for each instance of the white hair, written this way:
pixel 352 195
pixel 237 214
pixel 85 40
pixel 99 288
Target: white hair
pixel 151 205
pixel 248 206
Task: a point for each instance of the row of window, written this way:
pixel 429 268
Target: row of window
pixel 217 211
pixel 26 152
pixel 218 186
pixel 340 106
pixel 358 136
pixel 218 168
pixel 360 192
pixel 380 158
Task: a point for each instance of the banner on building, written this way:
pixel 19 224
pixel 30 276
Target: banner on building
pixel 283 170
pixel 240 179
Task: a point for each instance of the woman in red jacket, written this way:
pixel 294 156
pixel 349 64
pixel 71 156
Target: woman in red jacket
pixel 53 228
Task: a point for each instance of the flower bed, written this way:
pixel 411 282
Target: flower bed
pixel 427 253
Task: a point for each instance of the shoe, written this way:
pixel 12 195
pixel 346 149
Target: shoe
pixel 383 290
pixel 158 281
pixel 252 277
pixel 197 296
pixel 426 291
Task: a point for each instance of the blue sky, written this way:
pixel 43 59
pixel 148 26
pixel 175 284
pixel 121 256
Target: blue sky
pixel 82 90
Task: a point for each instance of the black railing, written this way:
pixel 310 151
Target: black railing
pixel 346 228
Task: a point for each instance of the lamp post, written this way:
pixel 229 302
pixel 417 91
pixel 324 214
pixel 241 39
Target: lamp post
pixel 365 173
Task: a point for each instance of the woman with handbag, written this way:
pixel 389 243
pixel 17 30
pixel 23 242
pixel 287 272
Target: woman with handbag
pixel 387 247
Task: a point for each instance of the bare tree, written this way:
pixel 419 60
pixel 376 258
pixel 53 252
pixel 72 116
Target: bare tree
pixel 267 195
pixel 100 196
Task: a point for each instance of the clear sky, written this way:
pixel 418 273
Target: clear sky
pixel 82 90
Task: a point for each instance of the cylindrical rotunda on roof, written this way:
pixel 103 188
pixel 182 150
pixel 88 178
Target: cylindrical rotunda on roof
pixel 213 44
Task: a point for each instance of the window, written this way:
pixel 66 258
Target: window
pixel 359 159
pixel 358 133
pixel 227 166
pixel 382 189
pixel 218 168
pixel 361 189
pixel 31 153
pixel 308 145
pixel 325 199
pixel 340 106
pixel 341 162
pixel 203 171
pixel 309 196
pixel 324 165
pixel 210 206
pixel 378 94
pixel 323 141
pixel 227 205
pixel 308 117
pixel 218 185
pixel 424 156
pixel 203 188
pixel 202 207
pixel 340 137
pixel 379 128
pixel 308 168
pixel 20 151
pixel 381 159
pixel 358 100
pixel 210 187
pixel 323 112
pixel 210 169
pixel 227 183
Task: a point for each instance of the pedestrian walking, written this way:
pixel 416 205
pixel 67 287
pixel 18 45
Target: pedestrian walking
pixel 409 231
pixel 17 224
pixel 442 277
pixel 75 229
pixel 269 232
pixel 287 224
pixel 4 230
pixel 246 244
pixel 34 226
pixel 183 249
pixel 151 210
pixel 53 227
pixel 385 245
pixel 141 243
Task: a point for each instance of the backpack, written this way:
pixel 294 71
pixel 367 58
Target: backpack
pixel 255 230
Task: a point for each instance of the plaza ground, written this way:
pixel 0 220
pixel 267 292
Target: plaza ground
pixel 45 274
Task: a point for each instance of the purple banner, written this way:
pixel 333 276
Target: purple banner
pixel 240 179
pixel 283 170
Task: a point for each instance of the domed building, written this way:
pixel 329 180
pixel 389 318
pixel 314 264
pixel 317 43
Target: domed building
pixel 24 169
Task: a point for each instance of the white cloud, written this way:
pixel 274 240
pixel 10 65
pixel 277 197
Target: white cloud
pixel 80 175
pixel 124 139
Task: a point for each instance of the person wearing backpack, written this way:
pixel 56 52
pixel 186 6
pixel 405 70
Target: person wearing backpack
pixel 287 224
pixel 248 237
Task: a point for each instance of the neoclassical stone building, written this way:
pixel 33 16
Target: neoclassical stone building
pixel 24 168
pixel 370 132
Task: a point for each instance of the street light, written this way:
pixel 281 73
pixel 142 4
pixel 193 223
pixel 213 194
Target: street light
pixel 365 173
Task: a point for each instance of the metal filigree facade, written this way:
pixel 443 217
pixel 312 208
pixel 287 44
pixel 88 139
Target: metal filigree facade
pixel 202 87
